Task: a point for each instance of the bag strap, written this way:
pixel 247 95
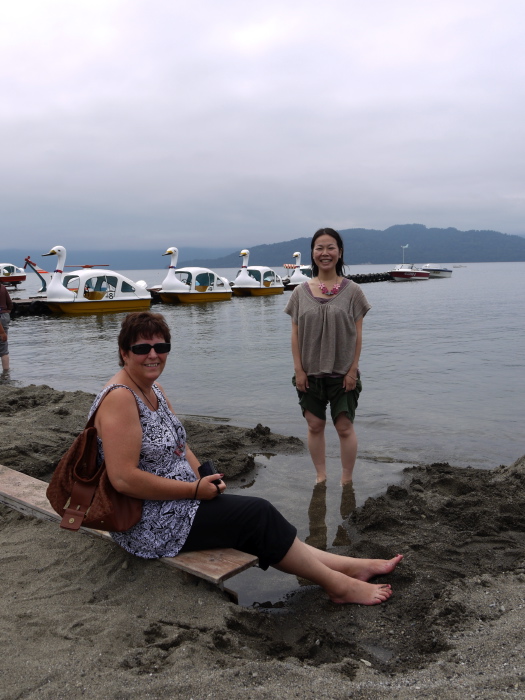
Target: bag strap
pixel 82 494
pixel 105 392
pixel 78 505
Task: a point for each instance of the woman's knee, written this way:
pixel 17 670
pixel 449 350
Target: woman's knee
pixel 344 426
pixel 315 424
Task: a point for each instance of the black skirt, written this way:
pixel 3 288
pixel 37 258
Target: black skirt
pixel 247 523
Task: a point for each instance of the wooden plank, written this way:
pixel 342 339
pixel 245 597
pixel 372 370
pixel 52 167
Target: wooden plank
pixel 28 496
pixel 215 565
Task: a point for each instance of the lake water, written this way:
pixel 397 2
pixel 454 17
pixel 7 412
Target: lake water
pixel 442 366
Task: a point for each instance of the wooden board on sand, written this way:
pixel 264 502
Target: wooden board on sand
pixel 28 496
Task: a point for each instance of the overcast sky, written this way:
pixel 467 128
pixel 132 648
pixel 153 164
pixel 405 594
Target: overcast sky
pixel 232 122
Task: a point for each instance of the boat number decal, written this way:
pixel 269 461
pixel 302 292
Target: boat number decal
pixel 110 295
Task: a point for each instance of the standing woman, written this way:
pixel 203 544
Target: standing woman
pixel 6 306
pixel 327 325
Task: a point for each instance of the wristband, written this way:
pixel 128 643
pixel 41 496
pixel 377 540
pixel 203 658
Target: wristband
pixel 196 489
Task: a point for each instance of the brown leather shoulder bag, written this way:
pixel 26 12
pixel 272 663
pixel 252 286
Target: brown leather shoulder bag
pixel 80 489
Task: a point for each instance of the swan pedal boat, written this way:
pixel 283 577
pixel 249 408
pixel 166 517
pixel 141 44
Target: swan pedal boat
pixel 256 281
pixel 11 275
pixel 300 273
pixel 191 285
pixel 91 290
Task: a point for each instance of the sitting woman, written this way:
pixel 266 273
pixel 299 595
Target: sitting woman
pixel 144 445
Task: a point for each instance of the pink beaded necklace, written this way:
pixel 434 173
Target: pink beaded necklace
pixel 329 292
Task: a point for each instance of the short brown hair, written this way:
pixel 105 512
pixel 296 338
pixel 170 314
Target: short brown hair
pixel 143 323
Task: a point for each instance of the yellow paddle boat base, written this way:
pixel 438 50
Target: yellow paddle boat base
pixel 193 297
pixel 92 307
pixel 256 291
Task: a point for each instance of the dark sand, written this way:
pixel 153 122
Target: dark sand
pixel 80 617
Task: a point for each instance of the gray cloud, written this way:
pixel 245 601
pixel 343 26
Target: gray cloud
pixel 235 123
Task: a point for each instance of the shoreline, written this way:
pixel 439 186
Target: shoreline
pixel 84 616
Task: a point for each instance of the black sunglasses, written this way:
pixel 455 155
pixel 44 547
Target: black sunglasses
pixel 145 348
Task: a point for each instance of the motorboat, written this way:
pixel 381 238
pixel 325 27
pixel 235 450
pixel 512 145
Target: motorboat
pixel 407 273
pixel 300 273
pixel 256 281
pixel 191 285
pixel 438 272
pixel 11 275
pixel 92 290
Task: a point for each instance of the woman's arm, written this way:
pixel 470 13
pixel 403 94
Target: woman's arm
pixel 3 334
pixel 118 425
pixel 350 379
pixel 301 379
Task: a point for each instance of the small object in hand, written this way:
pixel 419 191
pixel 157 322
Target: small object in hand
pixel 206 469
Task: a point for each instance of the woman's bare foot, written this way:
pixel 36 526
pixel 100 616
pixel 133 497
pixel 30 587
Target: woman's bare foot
pixel 365 569
pixel 321 480
pixel 362 593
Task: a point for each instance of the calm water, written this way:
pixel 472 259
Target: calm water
pixel 442 365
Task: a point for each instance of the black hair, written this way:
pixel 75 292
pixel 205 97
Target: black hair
pixel 335 235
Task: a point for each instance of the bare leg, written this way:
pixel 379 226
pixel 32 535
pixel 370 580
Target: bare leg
pixel 362 569
pixel 316 444
pixel 348 442
pixel 5 362
pixel 310 563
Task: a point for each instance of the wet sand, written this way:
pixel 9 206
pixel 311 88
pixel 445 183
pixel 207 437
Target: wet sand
pixel 82 617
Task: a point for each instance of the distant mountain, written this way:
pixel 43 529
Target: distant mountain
pixel 362 246
pixel 425 245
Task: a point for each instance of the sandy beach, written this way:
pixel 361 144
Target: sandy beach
pixel 80 617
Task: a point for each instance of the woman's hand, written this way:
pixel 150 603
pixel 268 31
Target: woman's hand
pixel 206 491
pixel 350 379
pixel 301 380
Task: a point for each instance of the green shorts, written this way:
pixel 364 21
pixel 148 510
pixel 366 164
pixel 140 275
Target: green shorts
pixel 324 390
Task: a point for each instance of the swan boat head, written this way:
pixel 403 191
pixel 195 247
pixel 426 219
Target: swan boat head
pixel 172 283
pixel 297 276
pixel 56 289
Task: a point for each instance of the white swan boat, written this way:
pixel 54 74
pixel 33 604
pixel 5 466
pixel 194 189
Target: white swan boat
pixel 11 275
pixel 91 290
pixel 191 285
pixel 300 273
pixel 256 281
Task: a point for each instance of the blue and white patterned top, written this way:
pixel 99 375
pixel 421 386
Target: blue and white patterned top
pixel 164 525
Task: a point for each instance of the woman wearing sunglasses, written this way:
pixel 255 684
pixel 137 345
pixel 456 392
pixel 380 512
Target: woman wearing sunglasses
pixel 144 445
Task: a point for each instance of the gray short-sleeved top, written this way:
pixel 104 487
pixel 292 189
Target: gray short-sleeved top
pixel 326 328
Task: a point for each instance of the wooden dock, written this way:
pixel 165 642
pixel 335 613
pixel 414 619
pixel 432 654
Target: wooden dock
pixel 34 306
